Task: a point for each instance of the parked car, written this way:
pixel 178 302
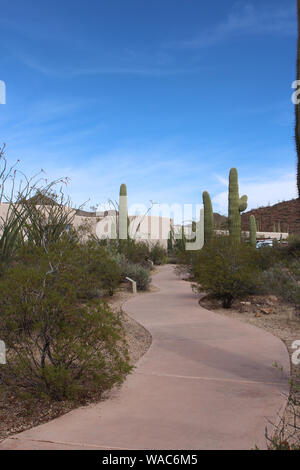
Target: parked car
pixel 264 243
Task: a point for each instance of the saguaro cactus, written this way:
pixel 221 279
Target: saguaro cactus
pixel 236 205
pixel 252 222
pixel 208 217
pixel 279 227
pixel 123 213
pixel 297 106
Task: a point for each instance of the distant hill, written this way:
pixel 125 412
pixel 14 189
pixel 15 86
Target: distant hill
pixel 40 199
pixel 220 221
pixel 281 217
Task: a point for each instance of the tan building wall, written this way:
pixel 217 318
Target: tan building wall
pixel 151 229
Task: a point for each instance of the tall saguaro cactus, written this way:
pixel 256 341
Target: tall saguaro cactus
pixel 297 106
pixel 208 217
pixel 123 213
pixel 236 205
pixel 252 222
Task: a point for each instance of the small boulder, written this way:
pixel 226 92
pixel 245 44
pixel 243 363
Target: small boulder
pixel 271 299
pixel 266 311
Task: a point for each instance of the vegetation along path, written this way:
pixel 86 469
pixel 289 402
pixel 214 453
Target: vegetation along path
pixel 207 382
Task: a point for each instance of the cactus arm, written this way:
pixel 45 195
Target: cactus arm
pixel 123 213
pixel 252 231
pixel 243 203
pixel 208 217
pixel 236 205
pixel 234 221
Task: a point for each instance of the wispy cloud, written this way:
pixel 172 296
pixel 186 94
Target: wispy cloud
pixel 244 19
pixel 260 192
pixel 72 71
pixel 161 172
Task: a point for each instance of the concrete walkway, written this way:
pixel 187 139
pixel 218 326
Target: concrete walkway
pixel 207 382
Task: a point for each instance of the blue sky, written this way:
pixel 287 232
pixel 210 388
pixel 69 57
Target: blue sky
pixel 164 95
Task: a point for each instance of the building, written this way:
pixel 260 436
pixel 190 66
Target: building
pixel 151 229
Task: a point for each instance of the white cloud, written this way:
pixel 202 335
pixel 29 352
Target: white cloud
pixel 242 20
pixel 160 173
pixel 261 192
pixel 70 71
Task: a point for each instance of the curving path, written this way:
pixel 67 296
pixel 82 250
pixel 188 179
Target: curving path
pixel 207 382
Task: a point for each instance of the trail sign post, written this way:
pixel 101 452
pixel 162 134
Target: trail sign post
pixel 2 352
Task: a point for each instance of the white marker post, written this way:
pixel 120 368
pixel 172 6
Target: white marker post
pixel 133 285
pixel 2 352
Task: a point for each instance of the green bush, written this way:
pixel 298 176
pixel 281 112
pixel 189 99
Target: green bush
pixel 139 274
pixel 136 272
pixel 286 432
pixel 292 250
pixel 91 265
pixel 283 280
pixel 135 251
pixel 266 257
pixel 60 344
pixel 226 269
pixel 158 254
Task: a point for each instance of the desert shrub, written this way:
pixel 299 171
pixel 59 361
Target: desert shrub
pixel 58 345
pixel 16 224
pixel 292 250
pixel 266 257
pixel 158 254
pixel 136 272
pixel 89 264
pixel 102 266
pixel 135 251
pixel 286 433
pixel 226 269
pixel 172 259
pixel 283 280
pixel 47 216
pixel 122 262
pixel 139 274
pixel 187 261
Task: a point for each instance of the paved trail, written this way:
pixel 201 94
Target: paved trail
pixel 207 382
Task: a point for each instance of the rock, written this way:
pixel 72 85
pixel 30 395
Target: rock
pixel 271 299
pixel 266 311
pixel 246 303
pixel 257 315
